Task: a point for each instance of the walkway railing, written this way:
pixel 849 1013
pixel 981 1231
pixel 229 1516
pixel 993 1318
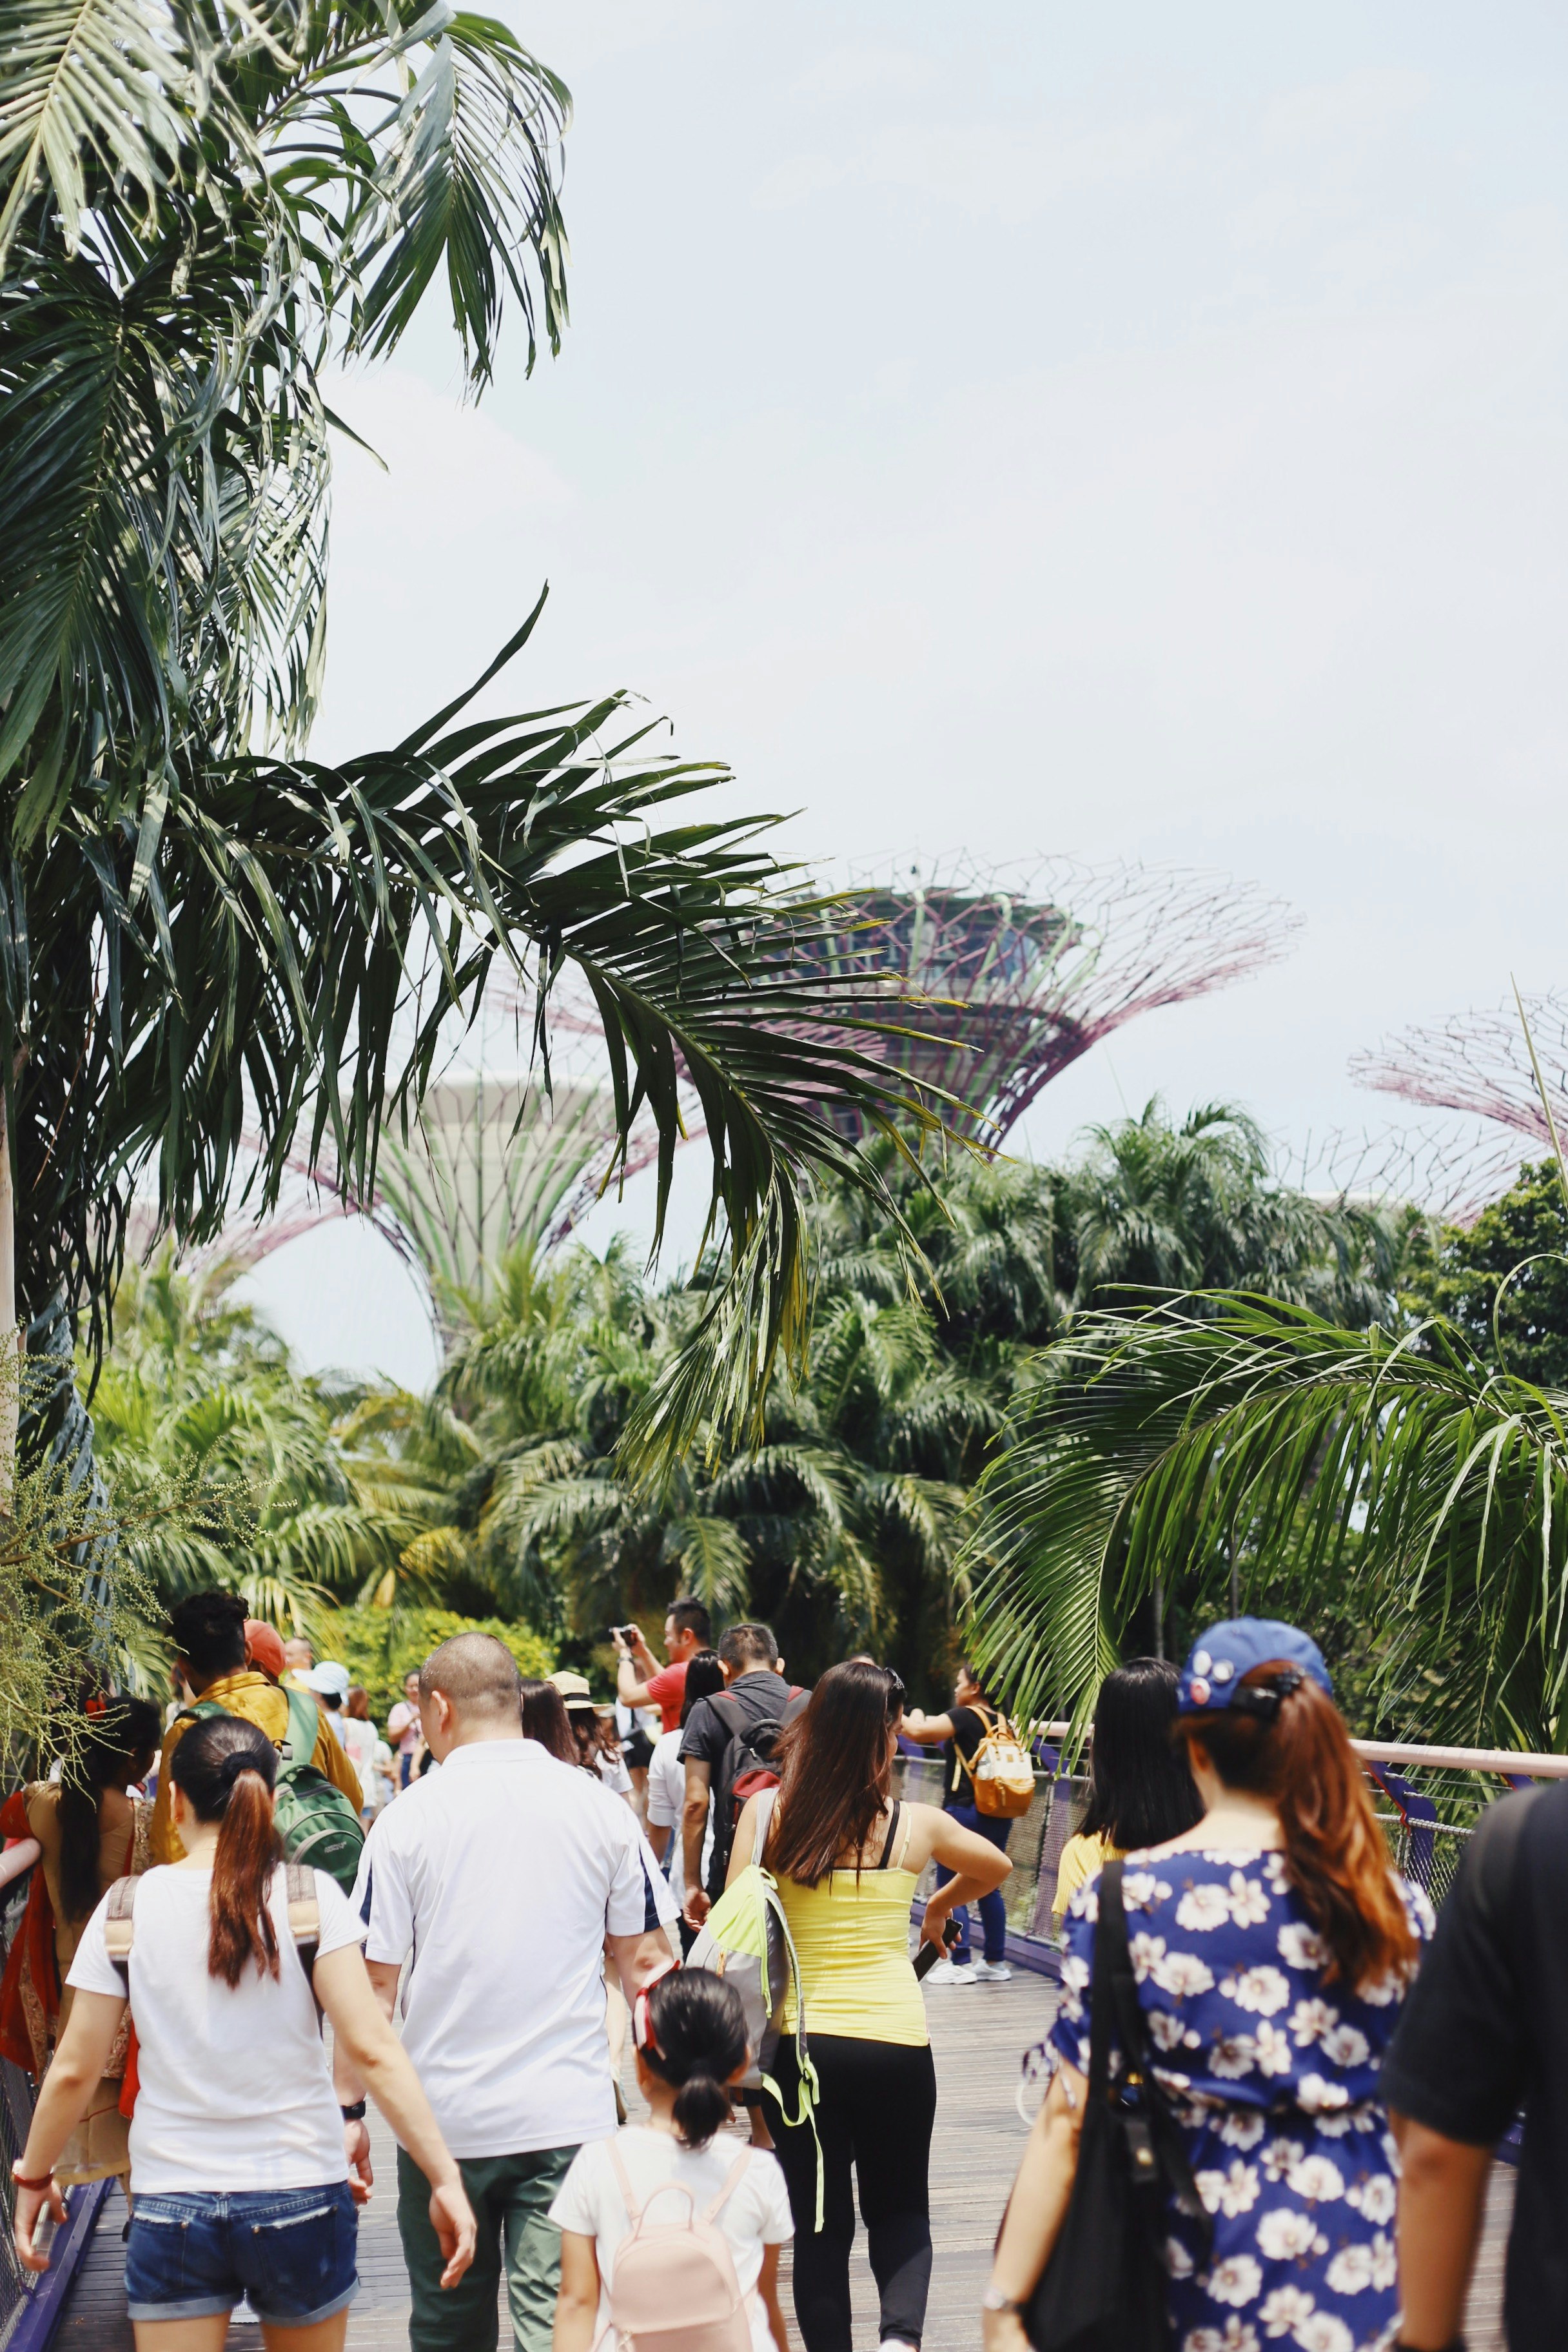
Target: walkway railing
pixel 1432 1798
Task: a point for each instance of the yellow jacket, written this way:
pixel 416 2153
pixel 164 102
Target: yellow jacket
pixel 248 1693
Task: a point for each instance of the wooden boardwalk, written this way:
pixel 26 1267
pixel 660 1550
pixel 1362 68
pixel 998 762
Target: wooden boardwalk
pixel 978 2035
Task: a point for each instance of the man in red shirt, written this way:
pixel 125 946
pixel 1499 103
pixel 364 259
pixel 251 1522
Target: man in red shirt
pixel 641 1681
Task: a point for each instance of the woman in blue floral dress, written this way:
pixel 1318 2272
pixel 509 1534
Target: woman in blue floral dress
pixel 1272 1947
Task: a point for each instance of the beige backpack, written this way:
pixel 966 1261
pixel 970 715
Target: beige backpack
pixel 1000 1770
pixel 673 2288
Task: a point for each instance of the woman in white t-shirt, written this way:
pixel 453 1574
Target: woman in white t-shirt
pixel 239 2152
pixel 691 2049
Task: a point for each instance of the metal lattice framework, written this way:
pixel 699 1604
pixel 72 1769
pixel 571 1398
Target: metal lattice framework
pixel 1477 1064
pixel 490 1159
pixel 1019 973
pixel 1022 971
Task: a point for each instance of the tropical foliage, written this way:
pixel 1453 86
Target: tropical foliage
pixel 843 1520
pixel 1392 1488
pixel 204 931
pixel 1503 1280
pixel 283 1497
pixel 379 1647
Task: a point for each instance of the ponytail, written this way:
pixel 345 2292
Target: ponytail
pixel 1297 1753
pixel 225 1768
pixel 691 2032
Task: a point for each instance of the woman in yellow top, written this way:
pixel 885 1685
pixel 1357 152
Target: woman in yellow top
pixel 846 1859
pixel 1140 1792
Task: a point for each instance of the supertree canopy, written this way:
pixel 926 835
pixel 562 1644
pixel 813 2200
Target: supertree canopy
pixel 1022 972
pixel 1480 1063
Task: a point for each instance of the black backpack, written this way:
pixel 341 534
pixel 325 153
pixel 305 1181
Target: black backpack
pixel 745 1768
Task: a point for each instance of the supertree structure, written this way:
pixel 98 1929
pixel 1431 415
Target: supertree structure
pixel 1022 970
pixel 492 1157
pixel 1480 1063
pixel 1014 974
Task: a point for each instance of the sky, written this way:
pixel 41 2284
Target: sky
pixel 1028 430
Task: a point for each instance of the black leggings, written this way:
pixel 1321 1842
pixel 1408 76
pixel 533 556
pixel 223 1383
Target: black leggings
pixel 875 2111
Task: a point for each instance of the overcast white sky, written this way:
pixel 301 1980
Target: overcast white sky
pixel 1127 431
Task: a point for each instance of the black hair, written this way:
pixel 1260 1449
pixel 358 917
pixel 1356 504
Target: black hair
pixel 227 1768
pixel 209 1631
pixel 741 1646
pixel 696 2031
pixel 689 1615
pixel 1140 1791
pixel 704 1679
pixel 122 1728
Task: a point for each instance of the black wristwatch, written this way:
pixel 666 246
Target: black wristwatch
pixel 354 2114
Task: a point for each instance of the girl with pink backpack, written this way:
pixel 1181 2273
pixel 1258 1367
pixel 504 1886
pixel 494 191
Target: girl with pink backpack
pixel 671 2237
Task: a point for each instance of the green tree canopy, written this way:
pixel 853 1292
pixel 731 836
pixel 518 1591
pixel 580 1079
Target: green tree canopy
pixel 1503 1278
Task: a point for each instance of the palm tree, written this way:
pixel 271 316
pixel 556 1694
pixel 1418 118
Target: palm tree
pixel 1156 1207
pixel 280 1494
pixel 202 928
pixel 1397 1486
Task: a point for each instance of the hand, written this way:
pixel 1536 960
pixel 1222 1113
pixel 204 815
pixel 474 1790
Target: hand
pixel 356 2147
pixel 913 1715
pixel 623 1647
pixel 30 2205
pixel 1003 2331
pixel 457 2231
pixel 933 1927
pixel 696 1907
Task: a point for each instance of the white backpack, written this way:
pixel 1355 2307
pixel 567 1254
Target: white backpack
pixel 673 2288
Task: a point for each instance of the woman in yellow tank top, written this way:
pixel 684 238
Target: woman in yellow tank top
pixel 846 1860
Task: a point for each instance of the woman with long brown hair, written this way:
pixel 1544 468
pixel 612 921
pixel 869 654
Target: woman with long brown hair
pixel 238 2146
pixel 92 1829
pixel 847 1858
pixel 1272 1945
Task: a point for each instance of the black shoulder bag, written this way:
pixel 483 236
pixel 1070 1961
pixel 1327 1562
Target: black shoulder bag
pixel 1104 2287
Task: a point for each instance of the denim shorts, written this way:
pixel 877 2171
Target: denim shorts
pixel 194 2252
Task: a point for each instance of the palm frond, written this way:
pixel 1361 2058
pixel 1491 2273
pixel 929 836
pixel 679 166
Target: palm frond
pixel 1168 1447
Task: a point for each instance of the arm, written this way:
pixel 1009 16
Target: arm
pixel 768 2289
pixel 78 2067
pixel 926 1731
pixel 1036 2209
pixel 743 1851
pixel 1442 2197
pixel 635 1667
pixel 658 1833
pixel 693 1830
pixel 639 1960
pixel 371 2052
pixel 577 2305
pixel 978 1866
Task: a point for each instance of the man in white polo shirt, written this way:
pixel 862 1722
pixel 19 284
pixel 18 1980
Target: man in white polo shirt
pixel 504 1879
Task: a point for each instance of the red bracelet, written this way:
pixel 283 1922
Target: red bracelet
pixel 46 2182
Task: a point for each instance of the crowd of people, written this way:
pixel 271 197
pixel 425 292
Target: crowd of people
pixel 487 1902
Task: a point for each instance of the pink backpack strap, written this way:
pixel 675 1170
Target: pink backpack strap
pixel 629 2197
pixel 731 2185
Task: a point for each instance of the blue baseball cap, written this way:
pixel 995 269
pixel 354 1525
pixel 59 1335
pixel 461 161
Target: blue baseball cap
pixel 1220 1657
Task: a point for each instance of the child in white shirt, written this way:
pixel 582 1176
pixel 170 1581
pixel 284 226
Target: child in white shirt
pixel 691 2050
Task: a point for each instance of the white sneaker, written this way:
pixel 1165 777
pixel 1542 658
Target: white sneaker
pixel 993 1972
pixel 945 1972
